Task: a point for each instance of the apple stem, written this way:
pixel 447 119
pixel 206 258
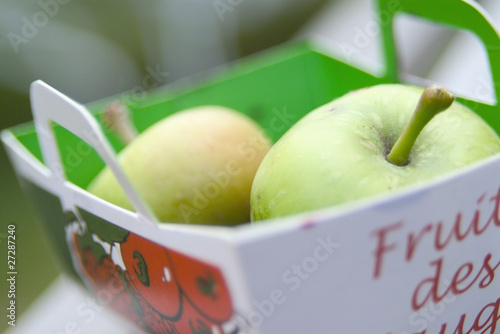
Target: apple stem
pixel 433 100
pixel 116 117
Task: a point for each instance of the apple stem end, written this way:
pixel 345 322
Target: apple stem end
pixel 116 118
pixel 433 100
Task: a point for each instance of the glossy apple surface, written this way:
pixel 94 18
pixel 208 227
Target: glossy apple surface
pixel 337 153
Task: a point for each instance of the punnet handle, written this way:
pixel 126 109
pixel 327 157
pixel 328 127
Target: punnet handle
pixel 457 14
pixel 50 105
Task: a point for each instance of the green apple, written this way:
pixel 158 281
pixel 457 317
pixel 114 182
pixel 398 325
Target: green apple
pixel 365 143
pixel 195 166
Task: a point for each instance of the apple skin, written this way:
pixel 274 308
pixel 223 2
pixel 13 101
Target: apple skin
pixel 195 166
pixel 337 153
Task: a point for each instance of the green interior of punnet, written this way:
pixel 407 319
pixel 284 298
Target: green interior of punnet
pixel 276 88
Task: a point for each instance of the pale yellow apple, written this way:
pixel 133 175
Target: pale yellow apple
pixel 195 166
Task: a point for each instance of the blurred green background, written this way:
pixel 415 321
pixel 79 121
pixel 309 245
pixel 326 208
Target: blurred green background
pixel 93 49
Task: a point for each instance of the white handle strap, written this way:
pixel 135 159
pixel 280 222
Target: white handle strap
pixel 48 105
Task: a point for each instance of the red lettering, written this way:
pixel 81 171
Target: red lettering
pixel 489 325
pixel 432 293
pixel 457 279
pixel 490 272
pixel 475 220
pixel 485 322
pixel 494 216
pixel 413 241
pixel 460 326
pixel 428 290
pixel 382 246
pixel 441 236
pixel 491 321
pixel 475 224
pixel 469 267
pixel 455 232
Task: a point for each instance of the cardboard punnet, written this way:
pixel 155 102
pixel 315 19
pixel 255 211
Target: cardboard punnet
pixel 421 260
